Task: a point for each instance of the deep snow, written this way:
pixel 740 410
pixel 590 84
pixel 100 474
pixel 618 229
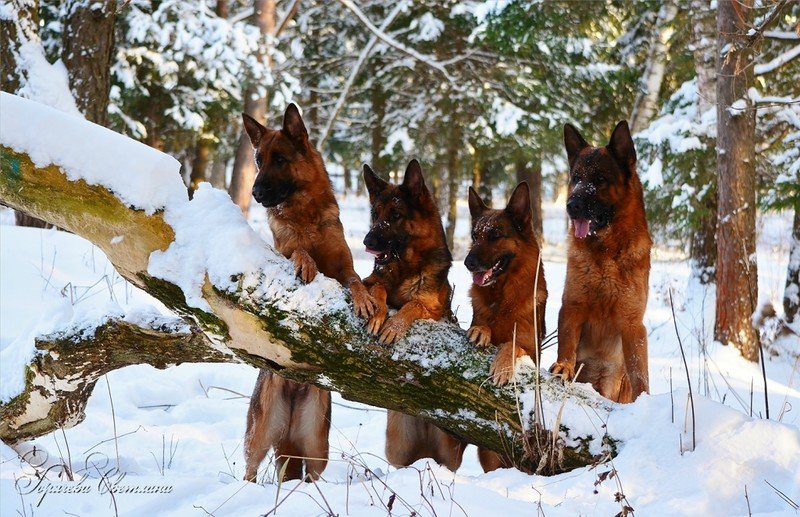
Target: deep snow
pixel 180 430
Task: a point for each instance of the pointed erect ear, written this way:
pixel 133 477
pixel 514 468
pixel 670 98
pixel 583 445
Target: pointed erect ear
pixel 574 143
pixel 413 180
pixel 519 207
pixel 293 124
pixel 476 204
pixel 254 130
pixel 621 146
pixel 375 185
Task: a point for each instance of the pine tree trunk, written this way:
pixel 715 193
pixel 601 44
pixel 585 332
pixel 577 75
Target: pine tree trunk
pixel 453 183
pixel 27 12
pixel 532 173
pixel 646 103
pixel 202 154
pixel 378 141
pixel 703 246
pixel 791 295
pixel 218 166
pixel 87 47
pixel 244 168
pixel 222 8
pixel 737 274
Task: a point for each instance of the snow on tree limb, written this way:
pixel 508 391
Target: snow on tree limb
pixel 778 61
pixel 389 40
pixel 264 316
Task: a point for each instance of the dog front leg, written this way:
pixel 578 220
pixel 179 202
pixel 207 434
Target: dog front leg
pixel 570 322
pixel 634 348
pixel 396 326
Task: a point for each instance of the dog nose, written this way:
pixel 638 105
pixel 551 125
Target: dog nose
pixel 370 241
pixel 471 262
pixel 575 207
pixel 258 192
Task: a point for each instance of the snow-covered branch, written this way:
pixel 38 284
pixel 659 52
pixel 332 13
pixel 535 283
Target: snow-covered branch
pixel 757 32
pixel 777 62
pixel 389 40
pixel 348 85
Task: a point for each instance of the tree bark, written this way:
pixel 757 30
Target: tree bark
pixel 532 173
pixel 244 168
pixel 791 294
pixel 27 22
pixel 646 103
pixel 737 274
pixel 199 174
pixel 87 47
pixel 453 180
pixel 703 246
pixel 378 140
pixel 328 348
pixel 218 166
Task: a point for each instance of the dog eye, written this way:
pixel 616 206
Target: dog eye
pixel 396 216
pixel 494 235
pixel 278 159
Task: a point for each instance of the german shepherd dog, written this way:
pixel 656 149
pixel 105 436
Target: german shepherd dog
pixel 600 325
pixel 303 214
pixel 508 290
pixel 411 265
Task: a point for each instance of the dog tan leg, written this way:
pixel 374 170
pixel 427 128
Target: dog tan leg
pixel 311 422
pixel 402 439
pixel 267 419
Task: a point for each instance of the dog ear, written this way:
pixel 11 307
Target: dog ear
pixel 375 185
pixel 293 125
pixel 476 204
pixel 622 148
pixel 519 207
pixel 413 180
pixel 254 130
pixel 574 143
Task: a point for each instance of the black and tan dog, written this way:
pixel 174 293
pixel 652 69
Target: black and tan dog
pixel 600 325
pixel 303 214
pixel 411 265
pixel 508 290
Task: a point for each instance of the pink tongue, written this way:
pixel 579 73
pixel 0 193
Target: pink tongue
pixel 581 227
pixel 480 277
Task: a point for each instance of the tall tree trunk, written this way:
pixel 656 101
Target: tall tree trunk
pixel 87 47
pixel 378 141
pixel 218 166
pixel 244 168
pixel 202 154
pixel 646 103
pixel 453 180
pixel 703 246
pixel 532 173
pixel 791 295
pixel 222 8
pixel 737 273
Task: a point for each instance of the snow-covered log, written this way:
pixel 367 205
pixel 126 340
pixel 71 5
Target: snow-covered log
pixel 201 259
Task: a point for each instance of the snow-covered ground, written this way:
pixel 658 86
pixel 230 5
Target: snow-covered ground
pixel 177 434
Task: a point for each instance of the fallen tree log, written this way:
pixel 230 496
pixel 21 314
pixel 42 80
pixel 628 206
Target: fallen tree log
pixel 265 318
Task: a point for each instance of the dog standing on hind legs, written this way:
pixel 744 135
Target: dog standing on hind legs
pixel 303 214
pixel 411 265
pixel 508 291
pixel 600 325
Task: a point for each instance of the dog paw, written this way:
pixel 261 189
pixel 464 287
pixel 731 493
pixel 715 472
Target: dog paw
pixel 394 328
pixel 364 304
pixel 564 369
pixel 304 266
pixel 502 369
pixel 375 322
pixel 480 335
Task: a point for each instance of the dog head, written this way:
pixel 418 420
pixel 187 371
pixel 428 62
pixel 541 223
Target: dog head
pixel 397 213
pixel 283 157
pixel 498 236
pixel 600 178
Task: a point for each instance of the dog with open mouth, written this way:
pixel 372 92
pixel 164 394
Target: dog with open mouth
pixel 412 261
pixel 508 291
pixel 601 332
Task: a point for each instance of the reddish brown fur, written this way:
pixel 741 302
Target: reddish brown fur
pixel 516 301
pixel 295 418
pixel 414 283
pixel 600 325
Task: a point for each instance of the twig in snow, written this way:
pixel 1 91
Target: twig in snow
pixel 114 421
pixel 685 366
pixel 783 496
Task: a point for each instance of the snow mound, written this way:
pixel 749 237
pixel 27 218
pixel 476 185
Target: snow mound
pixel 139 175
